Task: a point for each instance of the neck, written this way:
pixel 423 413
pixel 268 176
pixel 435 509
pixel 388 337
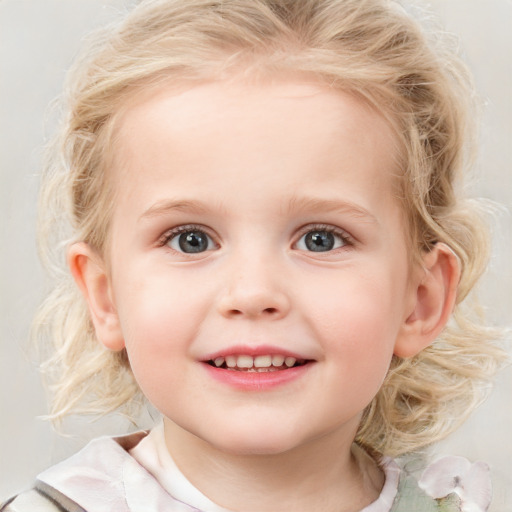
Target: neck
pixel 326 474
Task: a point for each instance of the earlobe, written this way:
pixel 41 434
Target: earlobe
pixel 434 298
pixel 88 270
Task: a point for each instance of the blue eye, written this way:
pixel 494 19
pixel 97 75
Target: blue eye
pixel 191 241
pixel 320 240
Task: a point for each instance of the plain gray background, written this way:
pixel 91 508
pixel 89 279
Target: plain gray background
pixel 38 39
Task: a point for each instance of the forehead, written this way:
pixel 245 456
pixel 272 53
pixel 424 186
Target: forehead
pixel 289 133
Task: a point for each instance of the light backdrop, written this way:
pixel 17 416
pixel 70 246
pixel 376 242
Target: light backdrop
pixel 38 39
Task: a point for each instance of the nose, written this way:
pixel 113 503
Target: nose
pixel 255 291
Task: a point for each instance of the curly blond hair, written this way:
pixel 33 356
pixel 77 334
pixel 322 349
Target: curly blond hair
pixel 371 48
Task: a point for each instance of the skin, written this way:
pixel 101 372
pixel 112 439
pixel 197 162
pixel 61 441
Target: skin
pixel 256 168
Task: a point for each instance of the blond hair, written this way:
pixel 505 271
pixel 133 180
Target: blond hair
pixel 371 48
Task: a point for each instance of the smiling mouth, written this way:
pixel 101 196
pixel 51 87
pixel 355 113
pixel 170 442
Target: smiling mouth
pixel 260 364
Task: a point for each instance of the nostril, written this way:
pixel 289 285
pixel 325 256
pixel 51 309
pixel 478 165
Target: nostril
pixel 266 311
pixel 252 305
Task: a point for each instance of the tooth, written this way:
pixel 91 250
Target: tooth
pixel 231 361
pixel 263 361
pixel 219 361
pixel 290 361
pixel 244 362
pixel 277 360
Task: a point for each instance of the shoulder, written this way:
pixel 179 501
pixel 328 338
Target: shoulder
pixel 450 484
pixel 40 498
pixel 102 476
pixel 96 470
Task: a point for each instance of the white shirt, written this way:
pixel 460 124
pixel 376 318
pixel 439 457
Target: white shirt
pixel 152 454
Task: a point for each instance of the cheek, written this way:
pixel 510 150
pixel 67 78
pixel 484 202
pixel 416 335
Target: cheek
pixel 158 321
pixel 362 307
pixel 156 308
pixel 357 325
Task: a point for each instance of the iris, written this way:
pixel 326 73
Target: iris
pixel 319 241
pixel 193 241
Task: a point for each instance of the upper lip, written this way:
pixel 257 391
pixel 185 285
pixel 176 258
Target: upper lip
pixel 254 351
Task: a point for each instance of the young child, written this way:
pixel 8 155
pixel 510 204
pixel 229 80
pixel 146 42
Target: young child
pixel 266 230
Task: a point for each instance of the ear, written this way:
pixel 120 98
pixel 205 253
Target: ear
pixel 433 299
pixel 89 272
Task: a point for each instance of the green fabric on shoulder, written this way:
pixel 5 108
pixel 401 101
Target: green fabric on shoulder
pixel 410 498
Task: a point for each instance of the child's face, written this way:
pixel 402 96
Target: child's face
pixel 258 221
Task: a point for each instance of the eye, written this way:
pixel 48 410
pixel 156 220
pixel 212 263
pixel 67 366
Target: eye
pixel 321 240
pixel 190 241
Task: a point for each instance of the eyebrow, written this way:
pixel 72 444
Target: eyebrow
pixel 294 205
pixel 169 206
pixel 318 205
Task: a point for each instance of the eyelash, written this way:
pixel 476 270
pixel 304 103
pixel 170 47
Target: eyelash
pixel 174 232
pixel 346 238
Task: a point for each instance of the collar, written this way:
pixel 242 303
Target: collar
pixel 103 477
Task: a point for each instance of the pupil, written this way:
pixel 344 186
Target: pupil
pixel 319 241
pixel 193 241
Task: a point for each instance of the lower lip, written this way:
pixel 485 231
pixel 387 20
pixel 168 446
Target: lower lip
pixel 257 381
